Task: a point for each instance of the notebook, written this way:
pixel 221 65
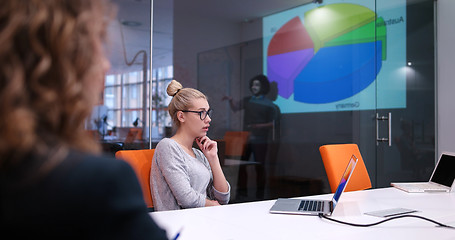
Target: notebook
pixel 314 206
pixel 441 180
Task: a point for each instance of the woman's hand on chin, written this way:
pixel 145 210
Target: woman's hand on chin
pixel 208 147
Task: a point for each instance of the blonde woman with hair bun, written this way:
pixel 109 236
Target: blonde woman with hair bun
pixel 183 176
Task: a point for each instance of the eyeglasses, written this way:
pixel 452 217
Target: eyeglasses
pixel 202 114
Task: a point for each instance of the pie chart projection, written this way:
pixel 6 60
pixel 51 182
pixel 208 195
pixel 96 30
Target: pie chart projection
pixel 333 53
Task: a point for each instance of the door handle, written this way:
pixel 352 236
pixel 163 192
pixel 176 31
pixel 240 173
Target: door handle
pixel 387 118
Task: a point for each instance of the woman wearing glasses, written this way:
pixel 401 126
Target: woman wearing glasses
pixel 182 176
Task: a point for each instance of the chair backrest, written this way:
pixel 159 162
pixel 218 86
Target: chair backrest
pixel 94 134
pixel 236 143
pixel 141 161
pixel 336 157
pixel 133 134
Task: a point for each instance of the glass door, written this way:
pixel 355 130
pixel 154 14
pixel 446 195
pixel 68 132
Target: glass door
pixel 405 147
pixel 339 72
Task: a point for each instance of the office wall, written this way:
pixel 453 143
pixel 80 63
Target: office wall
pixel 194 34
pixel 445 76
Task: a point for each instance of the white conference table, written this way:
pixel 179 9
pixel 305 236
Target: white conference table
pixel 253 220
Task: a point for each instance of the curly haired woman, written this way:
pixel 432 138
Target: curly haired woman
pixel 54 183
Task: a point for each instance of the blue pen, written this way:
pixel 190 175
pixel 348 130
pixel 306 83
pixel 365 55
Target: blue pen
pixel 178 234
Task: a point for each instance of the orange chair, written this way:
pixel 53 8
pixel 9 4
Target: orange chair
pixel 141 161
pixel 133 134
pixel 236 143
pixel 335 158
pixel 94 134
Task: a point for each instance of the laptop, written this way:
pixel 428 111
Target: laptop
pixel 441 180
pixel 314 206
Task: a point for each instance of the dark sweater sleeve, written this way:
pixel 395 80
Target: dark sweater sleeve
pixel 83 197
pixel 130 218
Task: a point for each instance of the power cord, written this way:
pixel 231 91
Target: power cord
pixel 386 220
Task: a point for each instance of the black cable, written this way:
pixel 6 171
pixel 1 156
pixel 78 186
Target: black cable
pixel 386 220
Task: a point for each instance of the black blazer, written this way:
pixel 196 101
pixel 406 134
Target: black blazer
pixel 84 197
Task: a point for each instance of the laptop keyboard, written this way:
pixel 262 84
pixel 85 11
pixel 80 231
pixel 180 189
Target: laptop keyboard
pixel 311 206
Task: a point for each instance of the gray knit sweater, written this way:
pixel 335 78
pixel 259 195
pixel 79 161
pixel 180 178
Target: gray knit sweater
pixel 179 180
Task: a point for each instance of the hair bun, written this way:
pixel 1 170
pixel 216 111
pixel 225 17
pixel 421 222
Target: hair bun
pixel 173 88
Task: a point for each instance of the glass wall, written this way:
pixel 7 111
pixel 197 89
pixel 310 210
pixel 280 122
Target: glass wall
pixel 336 71
pixel 126 118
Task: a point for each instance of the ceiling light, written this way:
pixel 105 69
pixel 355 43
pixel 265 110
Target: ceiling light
pixel 131 23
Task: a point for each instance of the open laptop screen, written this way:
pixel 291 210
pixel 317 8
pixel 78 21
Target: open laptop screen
pixel 347 174
pixel 444 173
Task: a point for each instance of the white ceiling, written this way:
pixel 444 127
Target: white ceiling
pixel 136 38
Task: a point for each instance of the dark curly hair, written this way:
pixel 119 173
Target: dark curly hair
pixel 265 84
